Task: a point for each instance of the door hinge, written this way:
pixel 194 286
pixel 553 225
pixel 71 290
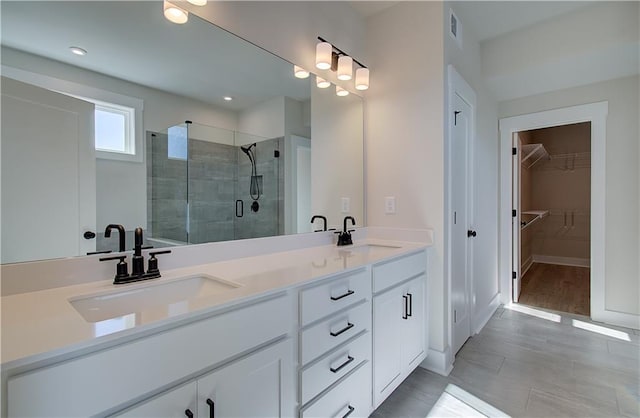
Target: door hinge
pixel 513 213
pixel 513 275
pixel 455 117
pixel 514 151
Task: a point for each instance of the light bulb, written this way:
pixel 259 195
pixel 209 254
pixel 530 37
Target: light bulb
pixel 322 83
pixel 362 78
pixel 345 67
pixel 341 92
pixel 175 14
pixel 300 72
pixel 323 55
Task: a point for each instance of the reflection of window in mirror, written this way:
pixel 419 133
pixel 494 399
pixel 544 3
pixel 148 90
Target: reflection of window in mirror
pixel 115 128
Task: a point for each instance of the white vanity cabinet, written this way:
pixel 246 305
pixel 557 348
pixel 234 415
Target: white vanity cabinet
pixel 335 347
pixel 399 322
pixel 260 385
pixel 109 380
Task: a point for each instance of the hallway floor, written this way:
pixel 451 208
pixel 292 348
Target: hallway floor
pixel 561 288
pixel 533 363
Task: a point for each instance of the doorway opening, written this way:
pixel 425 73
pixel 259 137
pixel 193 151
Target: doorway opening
pixel 552 194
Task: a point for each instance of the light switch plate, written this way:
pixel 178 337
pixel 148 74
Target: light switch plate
pixel 345 205
pixel 389 205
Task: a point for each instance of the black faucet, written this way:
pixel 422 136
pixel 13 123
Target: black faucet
pixel 121 235
pixel 137 261
pixel 324 221
pixel 345 236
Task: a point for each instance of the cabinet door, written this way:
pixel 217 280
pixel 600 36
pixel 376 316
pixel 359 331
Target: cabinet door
pixel 388 308
pixel 171 404
pixel 260 385
pixel 413 341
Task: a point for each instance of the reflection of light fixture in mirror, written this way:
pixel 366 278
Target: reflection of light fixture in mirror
pixel 300 72
pixel 175 14
pixel 341 92
pixel 345 67
pixel 324 51
pixel 78 51
pixel 227 98
pixel 362 78
pixel 198 2
pixel 322 83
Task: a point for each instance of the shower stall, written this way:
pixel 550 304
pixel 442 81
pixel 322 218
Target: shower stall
pixel 207 184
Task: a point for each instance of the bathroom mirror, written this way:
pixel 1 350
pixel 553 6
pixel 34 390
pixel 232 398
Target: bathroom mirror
pixel 55 196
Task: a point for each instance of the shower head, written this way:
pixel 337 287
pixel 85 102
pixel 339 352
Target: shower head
pixel 247 148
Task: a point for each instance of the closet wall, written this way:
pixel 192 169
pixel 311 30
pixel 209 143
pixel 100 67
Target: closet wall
pixel 561 184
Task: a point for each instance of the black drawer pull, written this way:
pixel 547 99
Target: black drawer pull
pixel 340 367
pixel 410 304
pixel 347 328
pixel 212 405
pixel 351 409
pixel 188 413
pixel 349 293
pixel 406 307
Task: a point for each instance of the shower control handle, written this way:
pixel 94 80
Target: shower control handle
pixel 471 233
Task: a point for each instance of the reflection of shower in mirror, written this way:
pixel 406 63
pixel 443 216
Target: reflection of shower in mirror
pixel 254 184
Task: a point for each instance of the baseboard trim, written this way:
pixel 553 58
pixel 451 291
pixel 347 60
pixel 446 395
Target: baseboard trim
pixel 526 266
pixel 562 261
pixel 438 361
pixel 621 319
pixel 481 318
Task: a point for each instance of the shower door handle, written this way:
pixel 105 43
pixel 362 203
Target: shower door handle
pixel 239 208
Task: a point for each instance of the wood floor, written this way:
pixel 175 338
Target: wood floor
pixel 532 367
pixel 561 288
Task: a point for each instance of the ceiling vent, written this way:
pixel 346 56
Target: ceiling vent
pixel 455 30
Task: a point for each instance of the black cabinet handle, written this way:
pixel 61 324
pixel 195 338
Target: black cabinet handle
pixel 188 413
pixel 212 412
pixel 406 307
pixel 347 328
pixel 351 409
pixel 343 365
pixel 410 304
pixel 349 293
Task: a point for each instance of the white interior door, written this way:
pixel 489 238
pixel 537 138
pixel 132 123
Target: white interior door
pixel 301 162
pixel 515 219
pixel 48 174
pixel 460 242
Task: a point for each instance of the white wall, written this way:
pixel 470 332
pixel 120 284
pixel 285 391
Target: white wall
pixel 404 130
pixel 265 119
pixel 467 62
pixel 622 225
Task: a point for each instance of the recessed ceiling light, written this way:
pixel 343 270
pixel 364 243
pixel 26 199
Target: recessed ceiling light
pixel 228 98
pixel 78 51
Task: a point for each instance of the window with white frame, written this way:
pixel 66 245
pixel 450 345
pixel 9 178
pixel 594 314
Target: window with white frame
pixel 115 128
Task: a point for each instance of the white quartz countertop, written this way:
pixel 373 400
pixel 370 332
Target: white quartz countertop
pixel 43 325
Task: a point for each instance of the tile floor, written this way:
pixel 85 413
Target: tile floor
pixel 528 366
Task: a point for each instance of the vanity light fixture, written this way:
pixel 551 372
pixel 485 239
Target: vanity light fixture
pixel 198 2
pixel 322 83
pixel 362 78
pixel 78 51
pixel 300 72
pixel 341 92
pixel 175 14
pixel 329 56
pixel 227 98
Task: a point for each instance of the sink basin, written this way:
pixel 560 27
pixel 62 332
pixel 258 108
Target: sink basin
pixel 143 296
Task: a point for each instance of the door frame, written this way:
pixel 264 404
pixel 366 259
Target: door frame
pixel 596 113
pixel 457 85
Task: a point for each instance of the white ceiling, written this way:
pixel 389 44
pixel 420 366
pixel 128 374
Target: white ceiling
pixel 132 40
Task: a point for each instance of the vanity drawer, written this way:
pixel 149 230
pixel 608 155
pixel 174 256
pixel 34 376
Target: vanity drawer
pixel 320 301
pixel 322 337
pixel 334 366
pixel 386 275
pixel 107 378
pixel 351 397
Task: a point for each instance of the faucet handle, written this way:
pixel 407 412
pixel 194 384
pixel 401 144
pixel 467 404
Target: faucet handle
pixel 153 263
pixel 121 268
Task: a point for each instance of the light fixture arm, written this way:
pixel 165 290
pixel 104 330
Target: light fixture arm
pixel 340 52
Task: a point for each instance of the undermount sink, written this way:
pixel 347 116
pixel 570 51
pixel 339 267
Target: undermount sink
pixel 368 248
pixel 147 296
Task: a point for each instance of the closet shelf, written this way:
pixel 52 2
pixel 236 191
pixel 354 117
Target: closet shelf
pixel 532 153
pixel 529 217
